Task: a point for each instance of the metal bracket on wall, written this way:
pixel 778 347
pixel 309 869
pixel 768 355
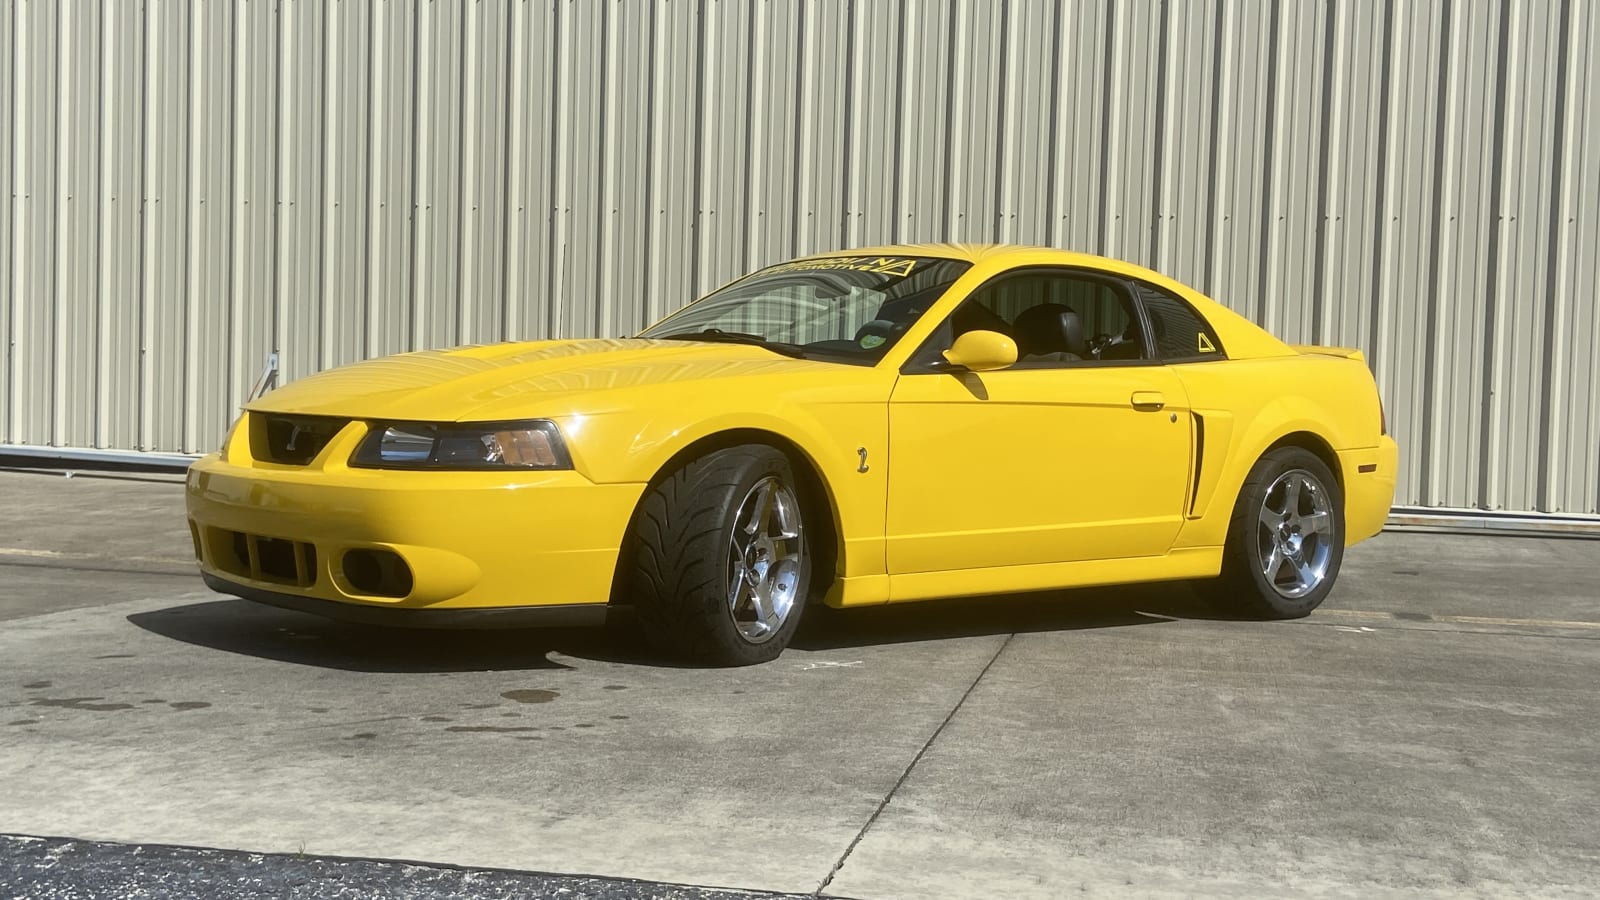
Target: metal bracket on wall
pixel 268 379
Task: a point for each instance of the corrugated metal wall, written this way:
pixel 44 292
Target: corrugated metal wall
pixel 191 184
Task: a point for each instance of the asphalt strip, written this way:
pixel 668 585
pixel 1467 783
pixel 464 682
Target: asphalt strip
pixel 51 868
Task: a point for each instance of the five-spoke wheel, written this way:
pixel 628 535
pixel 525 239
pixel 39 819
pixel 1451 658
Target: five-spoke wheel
pixel 716 563
pixel 1285 540
pixel 1296 521
pixel 765 556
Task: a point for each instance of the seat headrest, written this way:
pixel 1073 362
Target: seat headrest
pixel 1049 328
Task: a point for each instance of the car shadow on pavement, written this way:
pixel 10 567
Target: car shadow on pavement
pixel 931 620
pixel 251 629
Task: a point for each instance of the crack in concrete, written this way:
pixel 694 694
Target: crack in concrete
pixel 884 803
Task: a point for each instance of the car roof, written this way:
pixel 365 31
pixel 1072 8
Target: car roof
pixel 1243 338
pixel 967 252
pixel 974 253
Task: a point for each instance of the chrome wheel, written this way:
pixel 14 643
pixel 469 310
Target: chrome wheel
pixel 1296 534
pixel 765 558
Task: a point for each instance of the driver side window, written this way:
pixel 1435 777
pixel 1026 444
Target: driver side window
pixel 1056 318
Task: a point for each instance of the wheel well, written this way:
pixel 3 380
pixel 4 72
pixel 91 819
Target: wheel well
pixel 1306 440
pixel 819 504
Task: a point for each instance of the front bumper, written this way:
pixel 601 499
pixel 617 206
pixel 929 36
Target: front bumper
pixel 471 540
pixel 566 615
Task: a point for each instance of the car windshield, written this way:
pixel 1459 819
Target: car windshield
pixel 848 309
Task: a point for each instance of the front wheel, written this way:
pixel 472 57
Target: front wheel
pixel 1285 540
pixel 717 564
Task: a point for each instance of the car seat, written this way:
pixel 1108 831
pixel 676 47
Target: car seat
pixel 1049 331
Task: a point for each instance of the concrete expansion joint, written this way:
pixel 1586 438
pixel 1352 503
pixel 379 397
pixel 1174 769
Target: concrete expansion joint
pixel 906 774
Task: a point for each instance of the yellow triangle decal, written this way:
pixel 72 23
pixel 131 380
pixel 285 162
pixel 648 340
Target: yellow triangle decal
pixel 1205 344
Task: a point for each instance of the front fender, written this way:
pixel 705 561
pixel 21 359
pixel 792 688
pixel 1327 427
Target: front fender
pixel 828 427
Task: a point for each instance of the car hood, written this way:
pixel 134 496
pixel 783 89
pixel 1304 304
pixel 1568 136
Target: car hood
pixel 520 379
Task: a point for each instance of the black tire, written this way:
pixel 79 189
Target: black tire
pixel 677 566
pixel 1243 588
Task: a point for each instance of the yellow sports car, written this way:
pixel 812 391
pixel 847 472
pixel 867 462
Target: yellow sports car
pixel 855 428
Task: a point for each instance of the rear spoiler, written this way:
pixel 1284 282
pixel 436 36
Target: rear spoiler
pixel 1341 352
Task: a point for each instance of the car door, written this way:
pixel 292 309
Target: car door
pixel 1080 451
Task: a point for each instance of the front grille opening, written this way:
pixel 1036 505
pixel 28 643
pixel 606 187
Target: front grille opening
pixel 240 544
pixel 291 440
pixel 265 559
pixel 277 559
pixel 377 573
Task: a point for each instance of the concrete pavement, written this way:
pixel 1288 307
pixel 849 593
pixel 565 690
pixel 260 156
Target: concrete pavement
pixel 1430 731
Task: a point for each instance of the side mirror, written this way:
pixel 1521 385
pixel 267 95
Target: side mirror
pixel 982 351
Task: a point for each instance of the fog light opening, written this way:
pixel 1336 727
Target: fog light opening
pixel 377 573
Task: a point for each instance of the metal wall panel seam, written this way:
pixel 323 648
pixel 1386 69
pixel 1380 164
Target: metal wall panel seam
pixel 1111 108
pixel 901 144
pixel 755 152
pixel 697 134
pixel 1584 220
pixel 190 367
pixel 468 174
pixel 145 440
pixel 1382 336
pixel 1537 157
pixel 413 199
pixel 1269 262
pixel 1446 159
pixel 32 191
pixel 588 175
pixel 670 216
pixel 367 239
pixel 1163 158
pixel 1552 452
pixel 559 255
pixel 655 222
pixel 423 62
pixel 1009 133
pixel 509 300
pixel 763 93
pixel 10 62
pixel 253 291
pixel 1462 334
pixel 1222 123
pixel 1056 176
pixel 209 215
pixel 1493 431
pixel 1335 39
pixel 328 230
pixel 174 397
pixel 960 31
pixel 516 207
pixel 73 148
pixel 464 165
pixel 852 145
pixel 277 338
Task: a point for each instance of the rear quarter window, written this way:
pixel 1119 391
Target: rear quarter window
pixel 1179 332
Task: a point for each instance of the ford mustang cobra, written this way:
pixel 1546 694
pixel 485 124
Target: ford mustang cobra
pixel 857 428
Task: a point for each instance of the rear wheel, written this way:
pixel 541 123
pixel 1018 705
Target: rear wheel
pixel 1285 540
pixel 718 566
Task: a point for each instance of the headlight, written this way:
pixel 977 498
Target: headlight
pixel 534 444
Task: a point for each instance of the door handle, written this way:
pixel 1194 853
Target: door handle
pixel 1148 401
